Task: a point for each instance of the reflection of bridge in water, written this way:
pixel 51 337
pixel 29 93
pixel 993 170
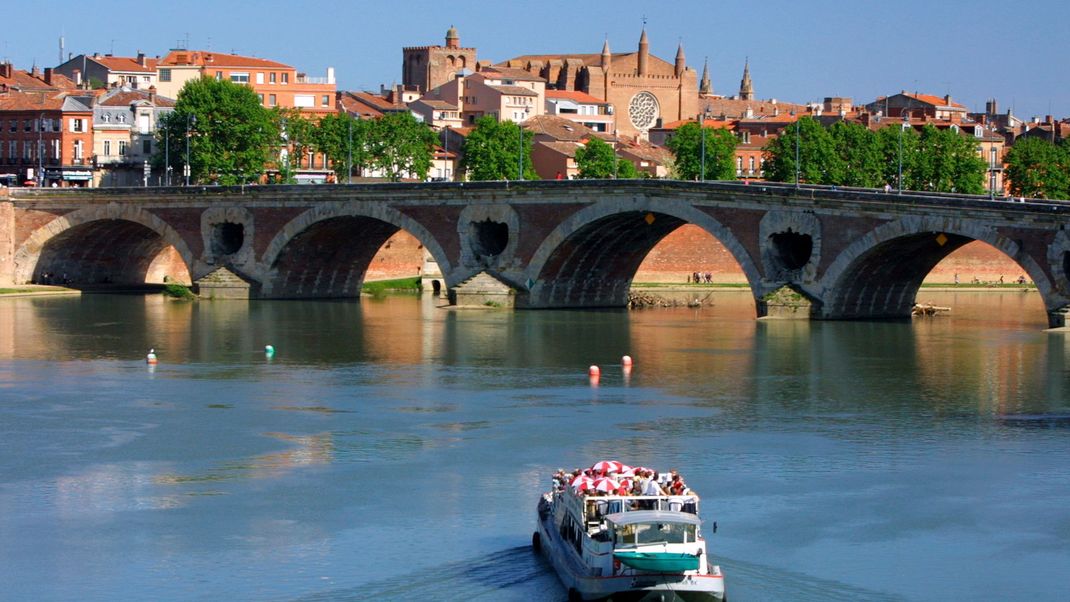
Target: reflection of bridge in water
pixel 855 254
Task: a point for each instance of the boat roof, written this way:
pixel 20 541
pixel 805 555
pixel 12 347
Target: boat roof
pixel 653 516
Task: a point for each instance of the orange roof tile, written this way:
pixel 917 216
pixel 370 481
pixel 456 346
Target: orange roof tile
pixel 125 63
pixel 576 96
pixel 203 58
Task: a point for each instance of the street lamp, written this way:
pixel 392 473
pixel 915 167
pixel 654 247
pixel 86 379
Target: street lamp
pixel 349 161
pixel 797 153
pixel 191 120
pixel 446 154
pixel 902 128
pixel 166 155
pixel 40 151
pixel 992 178
pixel 702 135
pixel 520 166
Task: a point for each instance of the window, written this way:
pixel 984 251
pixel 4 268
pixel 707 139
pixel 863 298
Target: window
pixel 261 97
pixel 107 148
pixel 146 147
pixel 122 147
pixel 218 75
pixel 271 77
pixel 27 125
pixel 325 100
pixel 304 100
pixel 285 78
pixel 751 165
pixel 120 118
pixel 143 123
pixel 12 149
pixel 272 100
pixel 26 150
pixel 239 78
pixel 77 125
pixel 106 118
pixel 746 137
pixel 739 165
pixel 259 78
pixel 14 125
pixel 77 150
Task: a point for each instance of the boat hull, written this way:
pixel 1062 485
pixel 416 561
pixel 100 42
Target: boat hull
pixel 644 587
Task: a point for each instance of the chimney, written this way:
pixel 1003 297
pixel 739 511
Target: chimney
pixel 36 72
pixel 991 107
pixel 1049 119
pixel 5 70
pixel 77 77
pixel 152 94
pixel 141 60
pixel 947 99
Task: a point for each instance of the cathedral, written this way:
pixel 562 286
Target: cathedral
pixel 644 89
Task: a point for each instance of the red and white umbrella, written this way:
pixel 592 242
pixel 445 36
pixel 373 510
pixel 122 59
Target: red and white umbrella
pixel 581 483
pixel 631 471
pixel 605 484
pixel 610 466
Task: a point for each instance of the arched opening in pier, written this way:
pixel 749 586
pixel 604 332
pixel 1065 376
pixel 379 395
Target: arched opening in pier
pixel 596 264
pixel 109 252
pixel 333 257
pixel 958 273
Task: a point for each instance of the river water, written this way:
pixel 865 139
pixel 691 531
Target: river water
pixel 395 450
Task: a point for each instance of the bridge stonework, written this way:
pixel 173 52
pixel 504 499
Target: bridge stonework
pixel 856 254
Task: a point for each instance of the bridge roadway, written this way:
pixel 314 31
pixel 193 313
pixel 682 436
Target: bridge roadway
pixel 855 254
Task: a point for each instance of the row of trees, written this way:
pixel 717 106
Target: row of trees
pixel 232 139
pixel 1038 168
pixel 850 154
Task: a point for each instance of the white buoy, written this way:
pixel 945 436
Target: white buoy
pixel 269 350
pixel 151 357
pixel 594 371
pixel 626 360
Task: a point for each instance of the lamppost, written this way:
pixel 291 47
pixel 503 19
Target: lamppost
pixel 40 151
pixel 520 172
pixel 191 120
pixel 797 153
pixel 446 153
pixel 166 156
pixel 902 128
pixel 992 177
pixel 349 148
pixel 702 135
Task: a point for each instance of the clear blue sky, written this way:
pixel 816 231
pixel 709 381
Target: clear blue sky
pixel 799 51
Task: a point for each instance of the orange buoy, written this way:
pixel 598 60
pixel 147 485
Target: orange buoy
pixel 626 360
pixel 594 372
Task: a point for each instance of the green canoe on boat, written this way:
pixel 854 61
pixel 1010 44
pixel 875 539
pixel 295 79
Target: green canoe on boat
pixel 658 562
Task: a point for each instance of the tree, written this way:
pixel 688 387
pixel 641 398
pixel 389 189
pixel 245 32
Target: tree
pixel 492 151
pixel 401 146
pixel 626 170
pixel 230 134
pixel 297 134
pixel 343 138
pixel 819 160
pixel 686 146
pixel 859 151
pixel 596 159
pixel 947 161
pixel 1037 168
pixel 896 144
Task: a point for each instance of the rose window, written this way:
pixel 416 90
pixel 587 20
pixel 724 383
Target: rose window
pixel 643 110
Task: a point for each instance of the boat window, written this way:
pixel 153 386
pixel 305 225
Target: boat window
pixel 652 533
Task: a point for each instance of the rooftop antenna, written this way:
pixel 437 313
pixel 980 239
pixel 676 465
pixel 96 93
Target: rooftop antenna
pixel 208 46
pixel 61 53
pixel 111 50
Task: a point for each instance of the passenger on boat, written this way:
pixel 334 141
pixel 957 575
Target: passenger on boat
pixel 650 485
pixel 676 486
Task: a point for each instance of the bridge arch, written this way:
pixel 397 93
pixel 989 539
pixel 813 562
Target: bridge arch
pixel 589 260
pixel 878 276
pixel 112 243
pixel 325 251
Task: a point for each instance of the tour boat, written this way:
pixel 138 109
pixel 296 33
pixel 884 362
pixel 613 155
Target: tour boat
pixel 605 544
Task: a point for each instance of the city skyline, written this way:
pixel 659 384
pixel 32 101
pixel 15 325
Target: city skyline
pixel 796 54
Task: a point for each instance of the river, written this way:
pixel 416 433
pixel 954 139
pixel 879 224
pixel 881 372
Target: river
pixel 392 449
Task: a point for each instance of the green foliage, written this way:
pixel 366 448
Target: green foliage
pixel 596 159
pixel 339 133
pixel 858 148
pixel 686 145
pixel 177 291
pixel 297 135
pixel 400 145
pixel 626 170
pixel 492 151
pixel 820 162
pixel 230 133
pixel 938 160
pixel 1037 168
pixel 378 287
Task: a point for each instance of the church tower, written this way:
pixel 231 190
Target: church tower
pixel 680 61
pixel 746 87
pixel 644 52
pixel 704 87
pixel 607 61
pixel 428 67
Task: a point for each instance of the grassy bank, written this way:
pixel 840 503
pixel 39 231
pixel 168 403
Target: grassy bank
pixel 398 285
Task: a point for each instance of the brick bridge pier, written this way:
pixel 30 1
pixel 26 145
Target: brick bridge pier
pixel 855 254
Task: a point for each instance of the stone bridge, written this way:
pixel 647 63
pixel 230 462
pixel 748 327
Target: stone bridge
pixel 855 254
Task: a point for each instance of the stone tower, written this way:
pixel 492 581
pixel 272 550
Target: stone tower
pixel 680 60
pixel 644 53
pixel 746 87
pixel 428 67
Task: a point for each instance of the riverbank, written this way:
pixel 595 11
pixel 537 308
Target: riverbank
pixel 36 290
pixel 744 288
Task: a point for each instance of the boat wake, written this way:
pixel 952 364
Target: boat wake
pixel 754 581
pixel 511 574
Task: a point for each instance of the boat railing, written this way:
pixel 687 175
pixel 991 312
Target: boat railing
pixel 593 508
